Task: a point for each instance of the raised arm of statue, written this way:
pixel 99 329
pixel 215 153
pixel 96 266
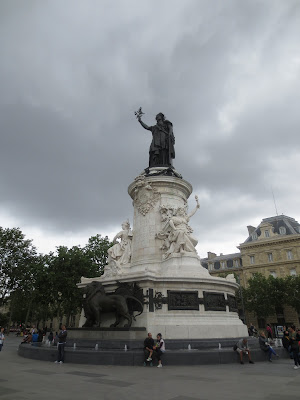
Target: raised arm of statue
pixel 195 209
pixel 143 124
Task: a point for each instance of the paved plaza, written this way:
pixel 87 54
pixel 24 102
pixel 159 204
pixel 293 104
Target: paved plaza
pixel 22 379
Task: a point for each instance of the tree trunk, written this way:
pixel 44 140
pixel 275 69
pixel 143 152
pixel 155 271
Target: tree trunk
pixel 28 312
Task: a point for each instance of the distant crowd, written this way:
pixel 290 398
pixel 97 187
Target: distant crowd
pixel 290 341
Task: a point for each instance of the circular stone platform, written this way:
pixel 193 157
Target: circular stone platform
pixel 112 352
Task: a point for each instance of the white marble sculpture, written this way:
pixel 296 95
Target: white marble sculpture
pixel 120 253
pixel 176 233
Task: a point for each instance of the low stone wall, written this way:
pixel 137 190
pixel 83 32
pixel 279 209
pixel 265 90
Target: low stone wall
pixel 135 357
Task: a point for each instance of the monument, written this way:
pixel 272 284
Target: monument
pixel 155 266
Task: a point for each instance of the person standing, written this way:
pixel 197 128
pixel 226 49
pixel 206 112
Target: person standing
pixel 62 336
pixel 294 346
pixel 270 332
pixel 2 338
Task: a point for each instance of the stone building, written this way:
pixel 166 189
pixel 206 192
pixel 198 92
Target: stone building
pixel 272 248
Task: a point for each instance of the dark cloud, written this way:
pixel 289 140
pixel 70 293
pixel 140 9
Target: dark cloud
pixel 226 74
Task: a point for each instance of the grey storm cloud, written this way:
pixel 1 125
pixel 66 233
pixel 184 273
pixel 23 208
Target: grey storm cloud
pixel 225 73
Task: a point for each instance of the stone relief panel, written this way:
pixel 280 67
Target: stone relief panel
pixel 145 196
pixel 232 303
pixel 214 301
pixel 183 300
pixel 176 233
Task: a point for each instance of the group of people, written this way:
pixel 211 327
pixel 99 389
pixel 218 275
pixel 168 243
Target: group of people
pixel 152 350
pixel 290 341
pixel 33 335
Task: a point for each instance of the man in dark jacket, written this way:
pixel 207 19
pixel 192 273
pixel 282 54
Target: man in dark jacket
pixel 148 348
pixel 294 346
pixel 62 336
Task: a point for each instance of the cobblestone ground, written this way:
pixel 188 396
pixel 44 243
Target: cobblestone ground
pixel 22 379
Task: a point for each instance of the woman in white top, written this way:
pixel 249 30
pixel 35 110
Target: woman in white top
pixel 160 349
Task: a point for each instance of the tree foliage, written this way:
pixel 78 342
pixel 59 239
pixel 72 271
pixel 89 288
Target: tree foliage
pixel 39 287
pixel 265 296
pixel 16 255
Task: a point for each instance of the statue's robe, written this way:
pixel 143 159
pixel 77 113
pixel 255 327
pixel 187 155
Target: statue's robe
pixel 161 151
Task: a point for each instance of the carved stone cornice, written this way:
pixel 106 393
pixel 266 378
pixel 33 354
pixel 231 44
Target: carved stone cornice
pixel 164 184
pixel 269 242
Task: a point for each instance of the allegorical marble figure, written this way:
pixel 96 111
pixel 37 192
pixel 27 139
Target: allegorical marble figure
pixel 177 233
pixel 120 252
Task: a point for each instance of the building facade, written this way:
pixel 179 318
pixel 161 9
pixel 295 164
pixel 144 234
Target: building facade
pixel 272 248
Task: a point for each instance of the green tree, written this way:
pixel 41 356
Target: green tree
pixel 257 296
pixel 96 251
pixel 16 253
pixel 293 292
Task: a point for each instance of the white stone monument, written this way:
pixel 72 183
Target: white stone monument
pixel 182 300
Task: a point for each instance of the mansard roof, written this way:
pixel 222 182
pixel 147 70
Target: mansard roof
pixel 280 225
pixel 222 257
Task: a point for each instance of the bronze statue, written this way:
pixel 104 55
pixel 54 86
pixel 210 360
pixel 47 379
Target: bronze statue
pixel 161 150
pixel 98 302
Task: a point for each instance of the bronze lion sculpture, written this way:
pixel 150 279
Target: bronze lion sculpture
pixel 97 302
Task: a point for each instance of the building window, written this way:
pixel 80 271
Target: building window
pixel 254 236
pixel 270 257
pixel 217 265
pixel 229 263
pixel 282 230
pixel 273 273
pixel 252 260
pixel 289 255
pixel 267 234
pixel 293 272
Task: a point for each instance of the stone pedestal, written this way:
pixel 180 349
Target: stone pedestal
pixel 182 300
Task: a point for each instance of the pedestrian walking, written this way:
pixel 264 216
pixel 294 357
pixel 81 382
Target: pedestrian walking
pixel 294 346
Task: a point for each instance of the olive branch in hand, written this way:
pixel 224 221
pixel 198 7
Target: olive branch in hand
pixel 139 113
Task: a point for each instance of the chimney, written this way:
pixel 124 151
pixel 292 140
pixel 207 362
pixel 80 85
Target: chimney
pixel 251 229
pixel 211 255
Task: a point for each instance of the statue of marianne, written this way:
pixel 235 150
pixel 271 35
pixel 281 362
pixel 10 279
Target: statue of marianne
pixel 161 150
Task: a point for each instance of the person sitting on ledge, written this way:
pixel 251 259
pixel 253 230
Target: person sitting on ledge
pixel 148 348
pixel 160 349
pixel 264 345
pixel 242 348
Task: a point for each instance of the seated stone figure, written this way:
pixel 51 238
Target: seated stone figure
pixel 120 252
pixel 177 233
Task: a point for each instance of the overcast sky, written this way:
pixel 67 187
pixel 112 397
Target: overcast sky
pixel 72 73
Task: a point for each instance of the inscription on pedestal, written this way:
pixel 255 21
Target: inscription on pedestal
pixel 183 300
